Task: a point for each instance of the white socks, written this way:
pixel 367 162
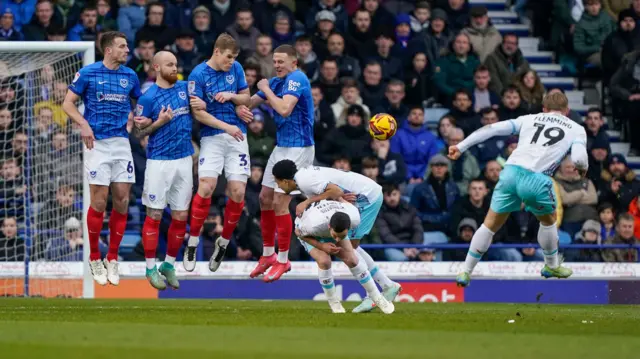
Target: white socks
pixel 479 245
pixel 548 240
pixel 169 259
pixel 151 263
pixel 363 276
pixel 326 281
pixel 223 242
pixel 376 273
pixel 267 251
pixel 193 241
pixel 283 256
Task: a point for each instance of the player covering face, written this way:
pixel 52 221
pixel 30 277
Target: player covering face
pixel 323 230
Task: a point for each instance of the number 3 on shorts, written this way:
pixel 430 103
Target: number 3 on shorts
pixel 243 160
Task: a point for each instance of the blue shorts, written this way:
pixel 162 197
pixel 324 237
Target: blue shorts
pixel 518 185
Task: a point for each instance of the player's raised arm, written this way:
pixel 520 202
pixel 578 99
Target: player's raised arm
pixel 504 128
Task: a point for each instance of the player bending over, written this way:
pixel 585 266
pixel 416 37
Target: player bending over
pixel 289 94
pixel 322 230
pixel 545 139
pixel 216 87
pixel 163 113
pixel 320 183
pixel 106 89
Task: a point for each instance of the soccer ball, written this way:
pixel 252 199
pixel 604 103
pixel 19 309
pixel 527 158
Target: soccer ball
pixel 382 126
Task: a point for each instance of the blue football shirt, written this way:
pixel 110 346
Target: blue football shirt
pixel 297 129
pixel 205 83
pixel 173 140
pixel 106 95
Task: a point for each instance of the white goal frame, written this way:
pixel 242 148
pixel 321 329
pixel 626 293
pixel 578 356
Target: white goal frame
pixel 87 49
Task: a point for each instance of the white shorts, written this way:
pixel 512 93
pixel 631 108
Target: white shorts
pixel 223 152
pixel 168 181
pixel 109 161
pixel 301 156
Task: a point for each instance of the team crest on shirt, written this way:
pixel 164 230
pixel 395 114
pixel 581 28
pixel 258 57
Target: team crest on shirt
pixel 124 83
pixel 191 87
pixel 76 77
pixel 93 174
pixel 211 96
pixel 182 95
pixel 230 79
pixel 139 109
pixel 152 197
pixel 201 161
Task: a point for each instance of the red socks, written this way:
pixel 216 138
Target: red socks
pixel 117 225
pixel 284 228
pixel 94 225
pixel 175 235
pixel 268 225
pixel 199 212
pixel 232 214
pixel 150 237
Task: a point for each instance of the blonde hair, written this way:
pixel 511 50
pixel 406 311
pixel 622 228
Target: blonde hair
pixel 555 102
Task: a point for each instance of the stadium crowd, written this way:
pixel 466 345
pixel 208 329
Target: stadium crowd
pixel 413 60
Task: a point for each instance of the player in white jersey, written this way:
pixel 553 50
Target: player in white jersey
pixel 320 183
pixel 322 230
pixel 545 140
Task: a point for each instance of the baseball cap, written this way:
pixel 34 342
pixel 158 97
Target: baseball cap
pixel 439 160
pixel 325 15
pixel 478 11
pixel 618 158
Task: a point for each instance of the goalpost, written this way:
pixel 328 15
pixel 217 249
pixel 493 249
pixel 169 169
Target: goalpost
pixel 44 194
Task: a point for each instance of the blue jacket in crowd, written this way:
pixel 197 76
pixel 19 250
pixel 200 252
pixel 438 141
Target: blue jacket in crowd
pixel 416 146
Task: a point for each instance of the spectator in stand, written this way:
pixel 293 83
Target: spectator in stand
pixel 434 42
pixel 616 7
pixel 484 37
pixel 373 88
pixel 598 156
pixel 69 247
pixel 187 54
pixel 309 64
pixel 509 146
pixel 260 143
pixel 105 18
pixel 11 180
pixel 325 27
pixel 154 28
pixel 244 32
pixel 578 196
pixel 223 14
pixel 22 11
pixel 490 149
pixel 360 38
pixel 392 167
pixel 323 114
pixel 265 13
pixel 491 174
pixel 205 35
pixel 403 33
pixel 43 128
pixel 254 186
pixel 434 198
pixel 416 144
pixel 342 163
pixel 352 139
pixel 180 13
pixel 391 63
pixel 58 210
pixel 55 103
pixel 455 70
pixel 36 30
pixel 474 205
pixel 347 65
pixel 419 82
pixel 420 17
pixel 589 234
pixel 8 31
pixel 18 148
pixel 463 235
pixel 11 245
pixel 594 126
pixel 140 62
pixel 398 223
pixel 392 103
pixel 591 31
pixel 458 13
pixel 252 75
pixel 624 235
pixel 56 33
pixel 466 168
pixel 131 19
pixel 621 185
pixel 282 33
pixel 342 19
pixel 511 106
pixel 328 80
pixel 371 169
pixel 483 97
pixel 625 87
pixel 466 118
pixel 350 96
pixel 563 26
pixel 531 89
pixel 607 216
pixel 619 43
pixel 505 62
pixel 263 56
pixel 445 125
pixel 379 15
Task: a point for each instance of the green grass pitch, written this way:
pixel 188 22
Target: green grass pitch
pixel 193 329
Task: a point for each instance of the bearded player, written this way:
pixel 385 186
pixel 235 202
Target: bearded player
pixel 217 86
pixel 107 89
pixel 323 231
pixel 544 141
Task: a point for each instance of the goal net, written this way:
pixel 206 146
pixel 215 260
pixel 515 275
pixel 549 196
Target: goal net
pixel 41 177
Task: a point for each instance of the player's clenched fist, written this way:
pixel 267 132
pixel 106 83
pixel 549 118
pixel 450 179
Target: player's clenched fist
pixel 263 85
pixel 454 153
pixel 244 113
pixel 197 104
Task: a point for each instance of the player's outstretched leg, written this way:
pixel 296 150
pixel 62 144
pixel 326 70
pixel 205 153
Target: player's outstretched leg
pixel 150 231
pixel 176 233
pixel 479 245
pixel 94 225
pixel 232 214
pixel 268 229
pixel 284 227
pixel 390 289
pixel 199 212
pixel 548 240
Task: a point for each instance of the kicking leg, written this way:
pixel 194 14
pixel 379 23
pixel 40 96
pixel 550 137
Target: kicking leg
pixel 199 212
pixel 117 224
pixel 95 218
pixel 232 214
pixel 150 233
pixel 390 289
pixel 548 240
pixel 325 275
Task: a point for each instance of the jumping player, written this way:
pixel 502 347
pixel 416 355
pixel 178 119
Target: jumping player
pixel 216 87
pixel 321 183
pixel 106 88
pixel 289 94
pixel 545 139
pixel 163 113
pixel 323 231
